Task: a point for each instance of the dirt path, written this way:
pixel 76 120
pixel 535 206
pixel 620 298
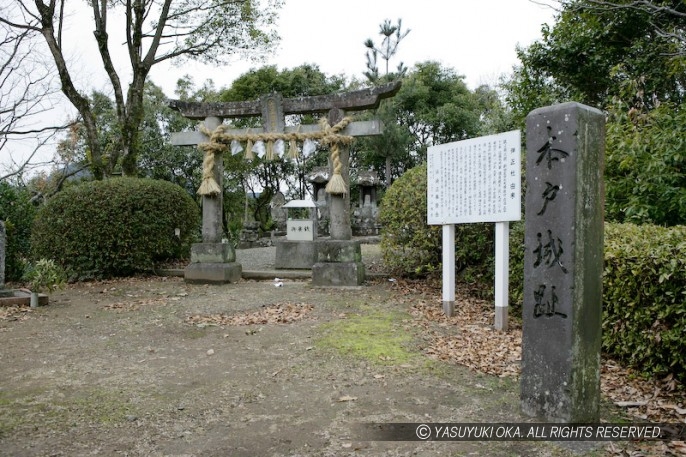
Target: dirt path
pixel 117 368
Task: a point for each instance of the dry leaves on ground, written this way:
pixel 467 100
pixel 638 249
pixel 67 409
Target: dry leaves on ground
pixel 14 313
pixel 134 305
pixel 469 339
pixel 278 313
pixel 475 344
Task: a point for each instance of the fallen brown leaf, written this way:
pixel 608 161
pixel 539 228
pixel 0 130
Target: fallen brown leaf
pixel 278 313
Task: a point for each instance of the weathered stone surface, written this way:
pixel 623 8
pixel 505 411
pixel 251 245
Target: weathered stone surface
pixel 213 273
pixel 339 251
pixel 278 212
pixel 212 253
pixel 563 264
pixel 355 100
pixel 295 255
pixel 331 274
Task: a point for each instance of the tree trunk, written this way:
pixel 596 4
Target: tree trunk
pixel 80 102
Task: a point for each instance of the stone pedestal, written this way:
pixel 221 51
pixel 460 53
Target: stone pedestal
pixel 295 255
pixel 212 253
pixel 563 264
pixel 339 264
pixel 213 273
pixel 212 263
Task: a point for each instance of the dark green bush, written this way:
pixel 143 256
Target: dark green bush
pixel 644 297
pixel 18 212
pixel 117 227
pixel 409 246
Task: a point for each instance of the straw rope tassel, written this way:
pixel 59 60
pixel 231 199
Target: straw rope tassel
pixel 293 145
pixel 336 185
pixel 209 186
pixel 249 155
pixel 270 150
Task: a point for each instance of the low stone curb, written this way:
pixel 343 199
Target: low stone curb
pixel 264 274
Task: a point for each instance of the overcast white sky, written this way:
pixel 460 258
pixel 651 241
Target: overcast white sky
pixel 477 38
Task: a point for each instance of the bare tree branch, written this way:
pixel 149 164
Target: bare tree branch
pixel 27 92
pixel 156 31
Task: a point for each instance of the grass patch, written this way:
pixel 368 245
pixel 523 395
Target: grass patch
pixel 27 408
pixel 379 337
pixel 99 406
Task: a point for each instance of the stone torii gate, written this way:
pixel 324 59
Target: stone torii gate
pixel 339 258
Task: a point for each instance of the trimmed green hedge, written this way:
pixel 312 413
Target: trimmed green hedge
pixel 644 297
pixel 117 227
pixel 409 246
pixel 18 212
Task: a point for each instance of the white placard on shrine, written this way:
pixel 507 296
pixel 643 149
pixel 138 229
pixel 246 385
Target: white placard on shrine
pixel 475 180
pixel 300 230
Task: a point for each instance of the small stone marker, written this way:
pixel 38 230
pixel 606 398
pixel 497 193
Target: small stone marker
pixel 277 211
pixel 299 249
pixel 563 263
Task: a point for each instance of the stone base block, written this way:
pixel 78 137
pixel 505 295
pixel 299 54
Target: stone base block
pixel 212 253
pixel 20 298
pixel 329 274
pixel 295 255
pixel 213 273
pixel 339 251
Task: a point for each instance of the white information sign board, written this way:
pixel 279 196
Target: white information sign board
pixel 475 180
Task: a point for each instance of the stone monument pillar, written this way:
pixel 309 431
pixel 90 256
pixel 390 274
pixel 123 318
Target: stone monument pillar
pixel 563 263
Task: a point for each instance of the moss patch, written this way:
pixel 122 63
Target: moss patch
pixel 378 337
pixel 94 406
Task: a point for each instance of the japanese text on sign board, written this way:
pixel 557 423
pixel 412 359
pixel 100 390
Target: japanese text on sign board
pixel 476 180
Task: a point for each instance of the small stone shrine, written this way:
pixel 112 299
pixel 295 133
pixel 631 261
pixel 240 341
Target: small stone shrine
pixel 319 178
pixel 366 213
pixel 249 235
pixel 563 264
pixel 299 249
pixel 277 211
